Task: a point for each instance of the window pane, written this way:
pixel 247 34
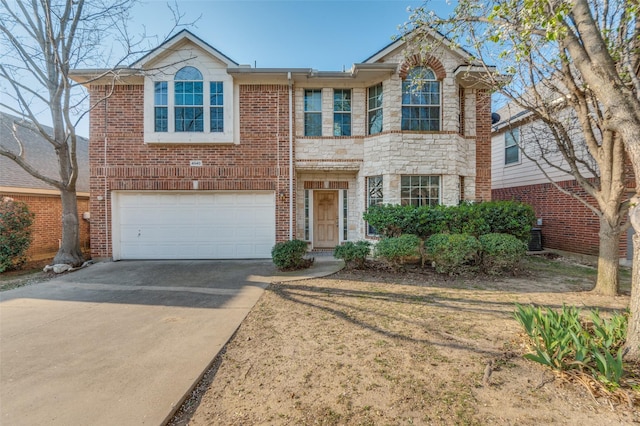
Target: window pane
pixel 375 97
pixel 342 124
pixel 511 155
pixel 511 151
pixel 161 93
pixel 216 120
pixel 375 121
pixel 161 119
pixel 216 94
pixel 342 100
pixel 374 197
pixel 313 124
pixel 189 119
pixel 420 190
pixel 188 74
pixel 313 100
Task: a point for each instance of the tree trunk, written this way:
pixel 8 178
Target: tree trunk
pixel 608 281
pixel 633 330
pixel 69 251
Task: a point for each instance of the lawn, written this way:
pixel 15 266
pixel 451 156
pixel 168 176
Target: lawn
pixel 376 347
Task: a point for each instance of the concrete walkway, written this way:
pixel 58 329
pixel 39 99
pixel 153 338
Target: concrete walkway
pixel 123 343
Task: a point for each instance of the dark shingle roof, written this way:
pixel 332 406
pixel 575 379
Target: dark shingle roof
pixel 39 153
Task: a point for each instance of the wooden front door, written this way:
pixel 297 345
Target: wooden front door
pixel 325 218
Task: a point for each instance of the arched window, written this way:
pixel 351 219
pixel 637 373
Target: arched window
pixel 188 96
pixel 421 100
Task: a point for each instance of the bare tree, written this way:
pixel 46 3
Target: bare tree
pixel 42 41
pixel 581 54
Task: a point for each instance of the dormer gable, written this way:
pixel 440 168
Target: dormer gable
pixel 180 43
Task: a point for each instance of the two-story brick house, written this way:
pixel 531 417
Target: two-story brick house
pixel 195 156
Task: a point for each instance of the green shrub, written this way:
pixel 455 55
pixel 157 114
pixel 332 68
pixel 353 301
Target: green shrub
pixel 15 233
pixel 508 217
pixel 392 220
pixel 562 341
pixel 399 250
pixel 501 252
pixel 353 254
pixel 505 217
pixel 289 255
pixel 453 253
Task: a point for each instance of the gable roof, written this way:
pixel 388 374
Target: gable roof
pixel 39 153
pixel 178 38
pixel 400 41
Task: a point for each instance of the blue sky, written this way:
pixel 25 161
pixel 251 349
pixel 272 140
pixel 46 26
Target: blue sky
pixel 324 34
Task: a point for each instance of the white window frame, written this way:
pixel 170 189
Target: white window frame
pixel 402 200
pixel 407 85
pixel 511 141
pixel 369 201
pixel 371 110
pixel 209 74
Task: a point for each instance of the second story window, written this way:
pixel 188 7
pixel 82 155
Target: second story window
pixel 421 100
pixel 161 107
pixel 189 113
pixel 313 112
pixel 342 112
pixel 374 109
pixel 216 102
pixel 511 150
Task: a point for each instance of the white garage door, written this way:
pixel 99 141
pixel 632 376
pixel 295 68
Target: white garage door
pixel 205 225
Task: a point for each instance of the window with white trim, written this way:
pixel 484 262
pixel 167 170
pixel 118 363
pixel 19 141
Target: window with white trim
pixel 342 112
pixel 421 100
pixel 511 150
pixel 374 109
pixel 313 112
pixel 188 100
pixel 419 190
pixel 216 100
pixel 374 197
pixel 190 106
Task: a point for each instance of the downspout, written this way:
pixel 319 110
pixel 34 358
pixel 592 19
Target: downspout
pixel 290 156
pixel 106 182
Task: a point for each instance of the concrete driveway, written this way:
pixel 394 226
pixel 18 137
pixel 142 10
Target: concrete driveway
pixel 122 342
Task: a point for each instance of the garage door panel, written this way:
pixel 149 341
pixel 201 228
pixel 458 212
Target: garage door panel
pixel 195 226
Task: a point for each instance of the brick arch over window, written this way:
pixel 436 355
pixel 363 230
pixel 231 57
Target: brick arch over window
pixel 418 61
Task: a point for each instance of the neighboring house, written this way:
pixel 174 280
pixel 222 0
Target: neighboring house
pixel 42 198
pixel 195 156
pixel 565 223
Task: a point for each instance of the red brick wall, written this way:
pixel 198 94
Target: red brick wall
pixel 47 225
pixel 259 162
pixel 483 145
pixel 566 223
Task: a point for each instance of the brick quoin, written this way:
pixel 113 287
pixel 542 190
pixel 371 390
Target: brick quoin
pixel 46 230
pixel 483 145
pixel 120 160
pixel 566 223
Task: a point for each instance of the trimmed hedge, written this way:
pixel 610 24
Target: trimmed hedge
pixel 505 217
pixel 289 255
pixel 501 252
pixel 15 233
pixel 399 250
pixel 354 254
pixel 453 253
